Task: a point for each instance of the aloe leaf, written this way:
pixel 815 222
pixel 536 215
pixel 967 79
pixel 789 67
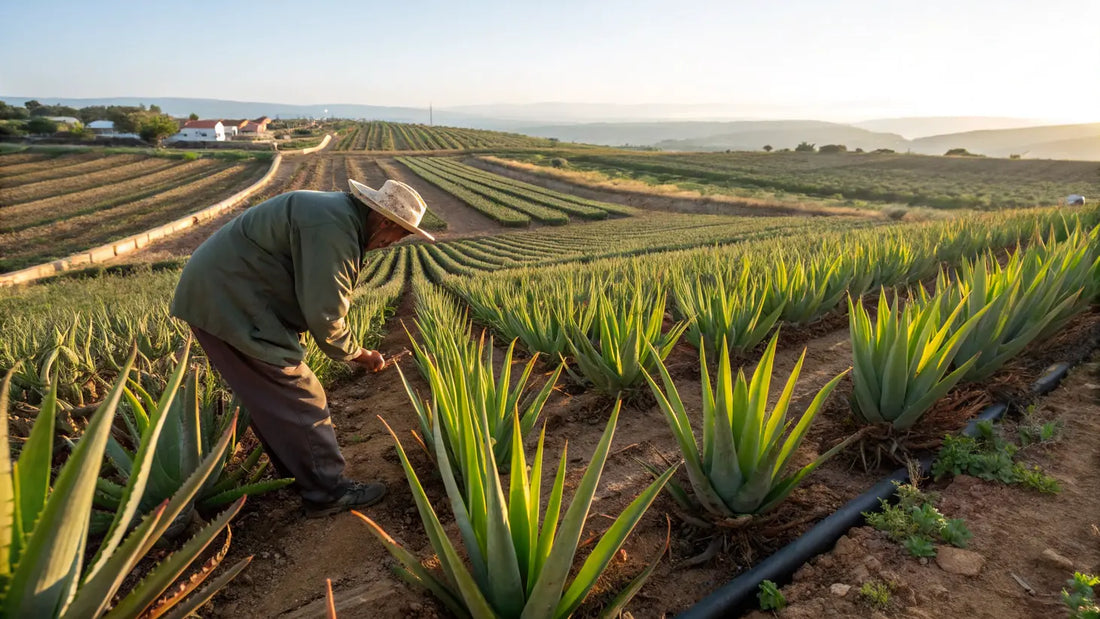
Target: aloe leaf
pixel 167 571
pixel 46 578
pixel 140 471
pixel 33 469
pixel 551 581
pixel 466 588
pixel 196 601
pixel 255 489
pixel 7 490
pixel 608 546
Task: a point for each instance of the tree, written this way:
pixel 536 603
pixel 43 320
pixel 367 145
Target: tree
pixel 155 109
pixel 32 104
pixel 958 152
pixel 155 128
pixel 833 148
pixel 12 112
pixel 767 148
pixel 805 147
pixel 40 125
pixel 193 116
pixel 79 131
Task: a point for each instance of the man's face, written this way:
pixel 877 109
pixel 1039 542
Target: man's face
pixel 385 233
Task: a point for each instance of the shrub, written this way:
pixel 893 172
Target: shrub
pixel 559 162
pixel 959 152
pixel 833 148
pixel 805 147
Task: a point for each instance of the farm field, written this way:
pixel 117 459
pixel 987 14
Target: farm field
pixel 846 178
pixel 56 204
pixel 597 295
pixel 387 136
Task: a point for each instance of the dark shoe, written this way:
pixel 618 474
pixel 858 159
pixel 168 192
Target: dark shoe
pixel 355 495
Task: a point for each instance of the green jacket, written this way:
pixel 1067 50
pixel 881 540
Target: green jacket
pixel 282 268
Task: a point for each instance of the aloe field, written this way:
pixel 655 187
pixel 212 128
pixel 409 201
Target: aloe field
pixel 602 408
pixel 387 136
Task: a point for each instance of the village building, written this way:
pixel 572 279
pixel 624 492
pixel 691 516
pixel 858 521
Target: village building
pixel 201 131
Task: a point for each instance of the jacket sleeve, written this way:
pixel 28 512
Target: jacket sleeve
pixel 326 267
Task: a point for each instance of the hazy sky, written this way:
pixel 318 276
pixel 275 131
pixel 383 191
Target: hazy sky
pixel 841 59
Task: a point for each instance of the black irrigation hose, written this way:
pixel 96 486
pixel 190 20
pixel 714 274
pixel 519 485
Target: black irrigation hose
pixel 738 595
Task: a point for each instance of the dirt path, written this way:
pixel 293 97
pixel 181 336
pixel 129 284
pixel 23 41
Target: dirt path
pixel 1040 538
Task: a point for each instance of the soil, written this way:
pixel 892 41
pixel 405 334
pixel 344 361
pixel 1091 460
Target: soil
pixel 1030 543
pixel 295 555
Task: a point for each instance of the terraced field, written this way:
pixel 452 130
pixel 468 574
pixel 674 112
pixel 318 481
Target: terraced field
pixel 55 205
pixel 387 136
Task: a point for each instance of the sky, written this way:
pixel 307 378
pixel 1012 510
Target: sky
pixel 826 59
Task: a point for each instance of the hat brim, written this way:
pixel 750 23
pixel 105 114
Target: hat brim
pixel 367 195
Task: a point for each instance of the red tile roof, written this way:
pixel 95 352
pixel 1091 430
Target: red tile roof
pixel 201 124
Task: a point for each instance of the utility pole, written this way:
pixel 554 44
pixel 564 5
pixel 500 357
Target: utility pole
pixel 430 123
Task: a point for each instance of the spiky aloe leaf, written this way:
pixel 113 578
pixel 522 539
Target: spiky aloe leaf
pixel 183 588
pixel 45 580
pixel 7 490
pixel 162 576
pixel 193 603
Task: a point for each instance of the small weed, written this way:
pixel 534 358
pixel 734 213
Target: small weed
pixel 919 546
pixel 992 458
pixel 771 598
pixel 876 593
pixel 1081 598
pixel 355 439
pixel 916 523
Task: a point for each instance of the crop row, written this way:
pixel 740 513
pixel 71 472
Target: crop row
pixel 501 214
pixel 586 209
pixel 479 188
pixel 387 136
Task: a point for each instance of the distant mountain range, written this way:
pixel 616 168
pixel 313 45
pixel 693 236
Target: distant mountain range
pixel 702 127
pixel 1046 142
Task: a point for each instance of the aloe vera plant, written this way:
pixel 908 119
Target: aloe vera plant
pixel 44 527
pixel 903 362
pixel 627 339
pixel 741 468
pixel 732 313
pixel 464 387
pixel 517 567
pixel 193 422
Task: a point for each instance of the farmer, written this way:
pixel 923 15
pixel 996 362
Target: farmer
pixel 254 288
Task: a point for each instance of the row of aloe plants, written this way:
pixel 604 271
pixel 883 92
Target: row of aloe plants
pixel 979 316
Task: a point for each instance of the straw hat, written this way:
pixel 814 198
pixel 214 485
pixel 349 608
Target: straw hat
pixel 397 202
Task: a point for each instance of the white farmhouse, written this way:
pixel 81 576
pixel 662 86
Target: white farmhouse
pixel 201 131
pixel 106 129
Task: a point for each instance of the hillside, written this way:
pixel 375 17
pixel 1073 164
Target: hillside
pixel 754 138
pixel 1004 142
pixel 923 126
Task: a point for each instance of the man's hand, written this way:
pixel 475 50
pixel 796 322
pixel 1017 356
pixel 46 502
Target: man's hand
pixel 372 360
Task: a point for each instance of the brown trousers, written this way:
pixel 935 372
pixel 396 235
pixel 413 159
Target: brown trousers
pixel 289 413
